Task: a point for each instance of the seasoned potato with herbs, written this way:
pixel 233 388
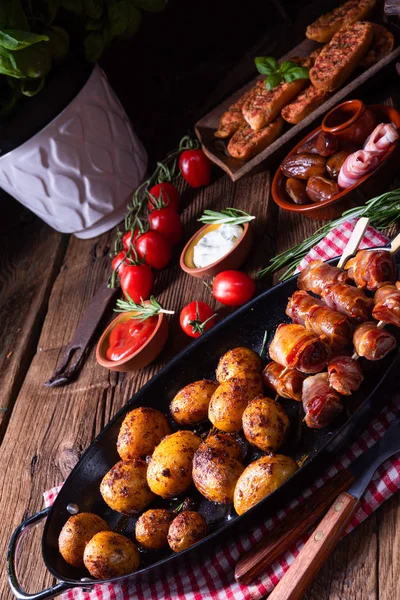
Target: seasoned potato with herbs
pixel 260 479
pixel 110 554
pixel 217 465
pixel 141 431
pixel 170 469
pixel 152 528
pixel 190 405
pixel 265 424
pixel 124 488
pixel 230 399
pixel 186 529
pixel 238 363
pixel 76 533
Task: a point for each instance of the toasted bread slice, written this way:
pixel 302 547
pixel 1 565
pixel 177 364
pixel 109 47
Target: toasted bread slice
pixel 325 27
pixel 341 56
pixel 233 118
pixel 382 44
pixel 246 142
pixel 304 104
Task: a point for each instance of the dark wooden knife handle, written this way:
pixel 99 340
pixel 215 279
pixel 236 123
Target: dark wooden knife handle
pixel 296 524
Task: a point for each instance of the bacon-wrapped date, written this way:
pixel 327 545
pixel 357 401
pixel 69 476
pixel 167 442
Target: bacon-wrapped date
pixel 288 385
pixel 344 374
pixel 387 305
pixel 321 403
pixel 318 274
pixel 314 315
pixel 348 300
pixel 372 268
pixel 372 342
pixel 295 347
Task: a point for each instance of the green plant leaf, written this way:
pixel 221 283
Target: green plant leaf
pixel 287 65
pixel 94 25
pixel 94 46
pixel 7 64
pixel 31 87
pixel 266 64
pixel 75 6
pixel 150 5
pixel 14 39
pixel 296 73
pixel 124 18
pixel 12 15
pixel 273 80
pixel 93 8
pixel 58 44
pixel 32 62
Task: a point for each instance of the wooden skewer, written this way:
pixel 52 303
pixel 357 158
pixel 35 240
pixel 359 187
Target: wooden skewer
pixel 354 241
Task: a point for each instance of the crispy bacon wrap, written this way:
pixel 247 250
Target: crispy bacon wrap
pixel 295 347
pixel 344 374
pixel 387 304
pixel 350 301
pixel 287 385
pixel 314 315
pixel 372 342
pixel 372 268
pixel 318 274
pixel 321 403
pixel 356 166
pixel 382 137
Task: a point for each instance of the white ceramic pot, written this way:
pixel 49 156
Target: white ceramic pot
pixel 78 173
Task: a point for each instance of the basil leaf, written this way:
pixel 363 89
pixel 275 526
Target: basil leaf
pixel 94 46
pixel 273 80
pixel 58 44
pixel 287 65
pixel 93 8
pixel 150 5
pixel 7 64
pixel 30 87
pixel 266 64
pixel 32 62
pixel 296 73
pixel 13 39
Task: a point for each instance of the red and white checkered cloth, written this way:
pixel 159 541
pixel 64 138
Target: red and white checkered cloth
pixel 212 578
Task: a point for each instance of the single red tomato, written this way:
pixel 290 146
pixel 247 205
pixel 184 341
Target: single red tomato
pixel 128 239
pixel 165 195
pixel 136 282
pixel 195 167
pixel 120 261
pixel 154 249
pixel 233 288
pixel 168 223
pixel 196 318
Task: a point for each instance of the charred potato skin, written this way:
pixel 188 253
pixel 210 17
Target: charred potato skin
pixel 185 530
pixel 152 528
pixel 141 431
pixel 261 478
pixel 76 533
pixel 190 405
pixel 110 554
pixel 230 399
pixel 124 488
pixel 238 363
pixel 170 469
pixel 265 424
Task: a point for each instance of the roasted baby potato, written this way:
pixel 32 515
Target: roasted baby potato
pixel 261 478
pixel 110 554
pixel 217 465
pixel 76 533
pixel 185 530
pixel 124 488
pixel 230 399
pixel 141 431
pixel 190 405
pixel 152 528
pixel 170 469
pixel 239 362
pixel 265 424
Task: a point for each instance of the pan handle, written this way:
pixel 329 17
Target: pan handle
pixel 11 562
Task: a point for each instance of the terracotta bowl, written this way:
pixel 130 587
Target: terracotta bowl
pixel 370 185
pixel 232 260
pixel 143 356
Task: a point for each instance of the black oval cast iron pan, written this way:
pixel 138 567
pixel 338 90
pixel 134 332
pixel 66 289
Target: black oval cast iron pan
pixel 245 327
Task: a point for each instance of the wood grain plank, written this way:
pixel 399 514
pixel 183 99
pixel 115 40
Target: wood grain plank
pixel 388 563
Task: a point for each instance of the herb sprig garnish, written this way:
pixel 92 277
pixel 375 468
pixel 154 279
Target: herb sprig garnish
pixel 228 216
pixel 144 310
pixel 287 71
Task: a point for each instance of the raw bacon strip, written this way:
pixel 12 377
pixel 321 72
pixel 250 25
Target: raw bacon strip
pixel 371 342
pixel 321 403
pixel 372 268
pixel 288 385
pixel 356 166
pixel 382 137
pixel 344 375
pixel 318 274
pixel 387 305
pixel 314 314
pixel 295 347
pixel 348 300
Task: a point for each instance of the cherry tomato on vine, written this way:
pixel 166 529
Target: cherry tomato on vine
pixel 154 249
pixel 233 288
pixel 136 282
pixel 168 223
pixel 196 318
pixel 127 239
pixel 119 262
pixel 166 196
pixel 195 167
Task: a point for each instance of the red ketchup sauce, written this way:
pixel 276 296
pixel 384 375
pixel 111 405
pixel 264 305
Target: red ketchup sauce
pixel 126 338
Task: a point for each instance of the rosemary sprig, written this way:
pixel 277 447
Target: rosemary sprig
pixel 144 310
pixel 228 216
pixel 383 211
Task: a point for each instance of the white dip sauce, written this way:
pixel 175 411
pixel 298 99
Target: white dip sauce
pixel 215 244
